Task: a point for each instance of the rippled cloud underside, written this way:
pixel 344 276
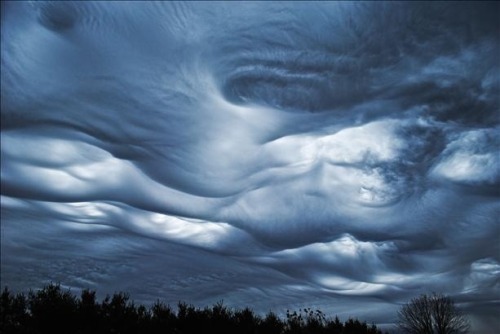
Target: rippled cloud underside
pixel 278 155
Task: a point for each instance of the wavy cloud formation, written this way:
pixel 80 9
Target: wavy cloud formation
pixel 338 155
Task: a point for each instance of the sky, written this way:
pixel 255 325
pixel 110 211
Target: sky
pixel 334 155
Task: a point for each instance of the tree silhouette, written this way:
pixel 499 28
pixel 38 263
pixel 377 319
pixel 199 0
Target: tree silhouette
pixel 432 314
pixel 120 314
pixel 335 326
pixel 270 324
pixel 13 311
pixel 54 310
pixel 89 312
pixel 163 318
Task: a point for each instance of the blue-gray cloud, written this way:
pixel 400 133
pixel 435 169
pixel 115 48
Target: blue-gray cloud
pixel 271 154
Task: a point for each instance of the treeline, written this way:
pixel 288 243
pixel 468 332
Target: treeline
pixel 54 310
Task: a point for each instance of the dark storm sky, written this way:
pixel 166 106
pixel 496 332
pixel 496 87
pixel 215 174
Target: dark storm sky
pixel 335 155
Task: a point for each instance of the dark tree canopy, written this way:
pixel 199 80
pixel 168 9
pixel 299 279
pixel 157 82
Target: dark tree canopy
pixel 432 314
pixel 53 310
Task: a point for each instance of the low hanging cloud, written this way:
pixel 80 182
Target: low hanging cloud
pixel 278 155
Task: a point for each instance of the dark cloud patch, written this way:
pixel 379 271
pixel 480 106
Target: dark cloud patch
pixel 57 16
pixel 279 155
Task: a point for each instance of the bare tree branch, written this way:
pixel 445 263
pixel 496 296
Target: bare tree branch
pixel 432 314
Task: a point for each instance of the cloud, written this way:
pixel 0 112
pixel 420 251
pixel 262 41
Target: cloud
pixel 472 158
pixel 272 154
